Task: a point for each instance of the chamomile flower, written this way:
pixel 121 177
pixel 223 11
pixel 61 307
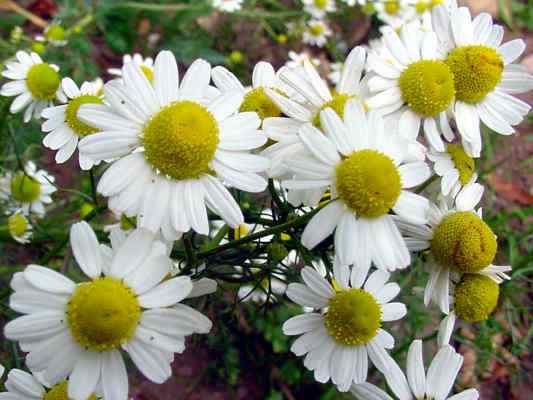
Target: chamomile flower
pixel 77 330
pixel 54 34
pixel 436 384
pixel 35 84
pixel 227 5
pixel 296 60
pixel 319 8
pixel 22 385
pixel 254 99
pixel 29 190
pixel 62 123
pixel 19 227
pixel 456 169
pixel 484 74
pixel 394 13
pixel 172 150
pixel 411 79
pixel 367 171
pixel 316 33
pixel 315 96
pixel 462 247
pixel 338 343
pixel 145 64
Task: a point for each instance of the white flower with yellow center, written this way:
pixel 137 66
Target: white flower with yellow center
pixel 28 190
pixel 54 34
pixel 457 171
pixel 319 8
pixel 62 122
pixel 484 74
pixel 338 343
pixel 35 84
pixel 296 60
pixel 462 248
pixel 367 171
pixel 316 33
pixel 413 80
pixel 22 385
pixel 145 64
pixel 77 330
pixel 173 151
pixel 417 385
pixel 19 227
pixel 394 13
pixel 315 96
pixel 227 5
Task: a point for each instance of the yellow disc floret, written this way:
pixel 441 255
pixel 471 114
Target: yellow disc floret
pixel 60 392
pixel 463 242
pixel 17 225
pixel 181 140
pixel 476 297
pixel 103 314
pixel 462 162
pixel 337 103
pixel 368 182
pixel 392 7
pixel 25 189
pixel 257 101
pixel 71 114
pixel 476 69
pixel 316 29
pixel 320 4
pixel 427 87
pixel 42 81
pixel 55 33
pixel 353 317
pixel 148 72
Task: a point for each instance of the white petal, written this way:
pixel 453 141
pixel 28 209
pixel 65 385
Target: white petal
pixel 166 78
pixel 86 249
pixel 414 174
pixel 511 50
pixel 226 104
pixel 302 295
pixel 322 224
pixel 393 311
pixel 303 323
pixel 114 375
pixel 220 198
pixel 225 80
pixel 167 294
pixel 195 81
pixel 48 280
pixel 316 282
pixel 415 369
pixel 150 361
pixel 85 376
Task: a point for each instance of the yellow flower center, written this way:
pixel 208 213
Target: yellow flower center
pixel 71 114
pixel 476 69
pixel 103 314
pixel 463 163
pixel 240 232
pixel 257 101
pixel 337 103
pixel 316 29
pixel 368 182
pixel 463 242
pixel 55 33
pixel 25 188
pixel 353 317
pixel 148 72
pixel 392 7
pixel 421 7
pixel 427 87
pixel 42 81
pixel 60 392
pixel 321 4
pixel 181 140
pixel 476 297
pixel 17 225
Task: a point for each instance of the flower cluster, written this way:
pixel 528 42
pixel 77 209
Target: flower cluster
pixel 379 168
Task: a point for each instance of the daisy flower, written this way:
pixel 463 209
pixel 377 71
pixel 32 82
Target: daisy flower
pixel 484 74
pixel 77 330
pixel 29 190
pixel 63 125
pixel 35 84
pixel 316 33
pixel 19 227
pixel 456 169
pixel 462 247
pixel 394 13
pixel 254 99
pixel 227 5
pixel 145 64
pixel 22 385
pixel 338 343
pixel 172 151
pixel 436 384
pixel 296 60
pixel 54 34
pixel 319 8
pixel 411 79
pixel 315 96
pixel 367 171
